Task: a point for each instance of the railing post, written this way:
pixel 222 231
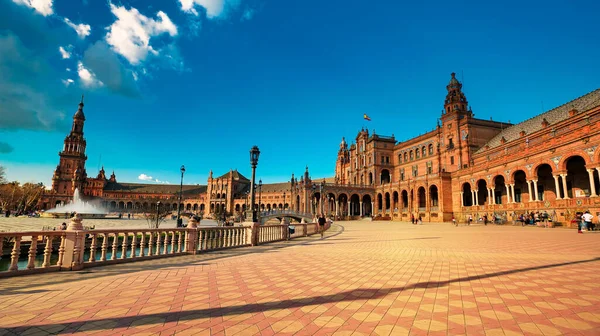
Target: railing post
pixel 74 245
pixel 253 234
pixel 191 236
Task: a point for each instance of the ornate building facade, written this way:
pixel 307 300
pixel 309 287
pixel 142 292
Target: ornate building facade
pixel 465 166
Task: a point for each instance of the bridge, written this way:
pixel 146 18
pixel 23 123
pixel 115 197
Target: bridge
pixel 265 216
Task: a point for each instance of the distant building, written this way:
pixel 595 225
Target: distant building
pixel 465 166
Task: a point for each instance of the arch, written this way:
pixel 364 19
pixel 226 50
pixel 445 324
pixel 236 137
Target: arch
pixel 113 204
pixel 212 207
pixel 218 195
pixel 500 192
pixel 546 186
pixel 404 196
pixel 519 179
pixel 578 181
pixel 423 151
pixel 421 198
pixel 343 202
pixel 405 157
pixel 399 158
pixel 330 208
pixel 195 207
pixel 188 207
pixel 367 204
pixel 298 203
pixel 433 197
pixel 562 164
pixel 467 197
pixel 137 205
pixel 482 192
pixel 430 147
pixel 385 176
pixel 379 202
pixel 121 205
pixel 395 200
pixel 370 178
pixel 145 205
pixel 412 155
pixel 417 153
pixel 237 208
pixel 202 207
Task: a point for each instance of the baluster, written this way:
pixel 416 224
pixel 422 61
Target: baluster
pixel 166 243
pixel 104 246
pixel 32 252
pixel 204 240
pixel 211 238
pixel 225 237
pixel 124 245
pixel 93 249
pixel 173 234
pixel 133 245
pixel 179 240
pixel 143 244
pixel 151 244
pixel 158 241
pixel 47 251
pixel 61 251
pixel 200 240
pixel 14 255
pixel 1 246
pixel 229 237
pixel 113 255
pixel 76 249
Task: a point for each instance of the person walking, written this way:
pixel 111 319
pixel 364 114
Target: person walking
pixel 322 221
pixel 586 221
pixel 454 221
pixel 470 220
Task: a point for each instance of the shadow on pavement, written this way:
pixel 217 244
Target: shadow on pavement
pixel 368 293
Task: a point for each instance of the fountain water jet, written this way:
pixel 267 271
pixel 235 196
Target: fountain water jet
pixel 83 208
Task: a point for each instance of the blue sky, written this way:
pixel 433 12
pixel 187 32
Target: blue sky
pixel 199 82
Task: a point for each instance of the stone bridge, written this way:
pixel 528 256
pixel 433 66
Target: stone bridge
pixel 265 216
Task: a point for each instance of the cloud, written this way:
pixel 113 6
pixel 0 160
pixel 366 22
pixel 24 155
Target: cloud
pixel 130 34
pixel 213 8
pixel 67 82
pixel 88 78
pixel 144 177
pixel 5 148
pixel 43 7
pixel 65 54
pixel 108 69
pixel 82 30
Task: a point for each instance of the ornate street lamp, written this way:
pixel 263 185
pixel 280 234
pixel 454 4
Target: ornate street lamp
pixel 254 154
pixel 321 186
pixel 179 220
pixel 283 206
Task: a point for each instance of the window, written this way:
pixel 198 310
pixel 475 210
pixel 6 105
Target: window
pixel 402 174
pixel 429 167
pixel 430 149
pixel 382 159
pixel 387 159
pixel 399 158
pixel 450 143
pixel 415 171
pixel 417 153
pixel 423 151
pixel 412 155
pixel 452 160
pixel 405 156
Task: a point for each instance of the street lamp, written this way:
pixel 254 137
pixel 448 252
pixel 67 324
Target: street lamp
pixel 321 186
pixel 283 200
pixel 157 213
pixel 259 195
pixel 246 207
pixel 254 154
pixel 179 220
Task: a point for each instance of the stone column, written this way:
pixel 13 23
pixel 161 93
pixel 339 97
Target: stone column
pixel 372 207
pixel 512 188
pixel 361 208
pixel 493 190
pixel 337 208
pixel 507 193
pixel 476 192
pixel 564 184
pixel 348 208
pixel 472 197
pixel 462 201
pixel 489 191
pixel 592 183
pixel 535 189
pixel 529 190
pixel 557 186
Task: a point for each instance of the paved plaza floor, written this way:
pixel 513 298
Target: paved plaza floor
pixel 379 278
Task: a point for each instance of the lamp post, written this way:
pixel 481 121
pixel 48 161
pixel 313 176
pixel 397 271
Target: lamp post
pixel 246 208
pixel 179 220
pixel 321 186
pixel 283 206
pixel 254 154
pixel 259 195
pixel 314 198
pixel 157 213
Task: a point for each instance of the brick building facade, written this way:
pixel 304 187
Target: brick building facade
pixel 465 166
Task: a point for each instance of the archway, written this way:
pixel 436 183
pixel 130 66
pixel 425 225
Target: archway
pixel 385 176
pixel 343 202
pixel 370 178
pixel 433 197
pixel 520 185
pixel 367 205
pixel 379 202
pixel 467 194
pixel 330 208
pixel 545 183
pixel 297 205
pixel 482 192
pixel 404 199
pixel 355 205
pixel 421 198
pixel 387 202
pixel 578 180
pixel 500 195
pixel 395 200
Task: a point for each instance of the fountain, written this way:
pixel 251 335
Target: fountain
pixel 83 208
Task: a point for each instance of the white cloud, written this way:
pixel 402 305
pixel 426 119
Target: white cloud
pixel 144 177
pixel 64 53
pixel 82 30
pixel 43 7
pixel 213 8
pixel 67 82
pixel 130 34
pixel 68 69
pixel 87 77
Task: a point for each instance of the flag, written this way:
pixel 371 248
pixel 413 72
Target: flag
pixel 366 117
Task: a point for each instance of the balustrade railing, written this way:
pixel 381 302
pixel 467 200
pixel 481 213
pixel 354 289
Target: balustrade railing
pixel 78 248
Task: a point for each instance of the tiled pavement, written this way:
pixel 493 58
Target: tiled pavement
pixel 377 278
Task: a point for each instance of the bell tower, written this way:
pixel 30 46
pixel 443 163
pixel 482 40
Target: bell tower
pixel 454 133
pixel 70 173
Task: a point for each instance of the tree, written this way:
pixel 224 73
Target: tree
pixel 2 175
pixel 22 198
pixel 155 217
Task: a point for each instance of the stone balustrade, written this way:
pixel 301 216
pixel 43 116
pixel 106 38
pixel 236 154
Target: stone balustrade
pixel 77 248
